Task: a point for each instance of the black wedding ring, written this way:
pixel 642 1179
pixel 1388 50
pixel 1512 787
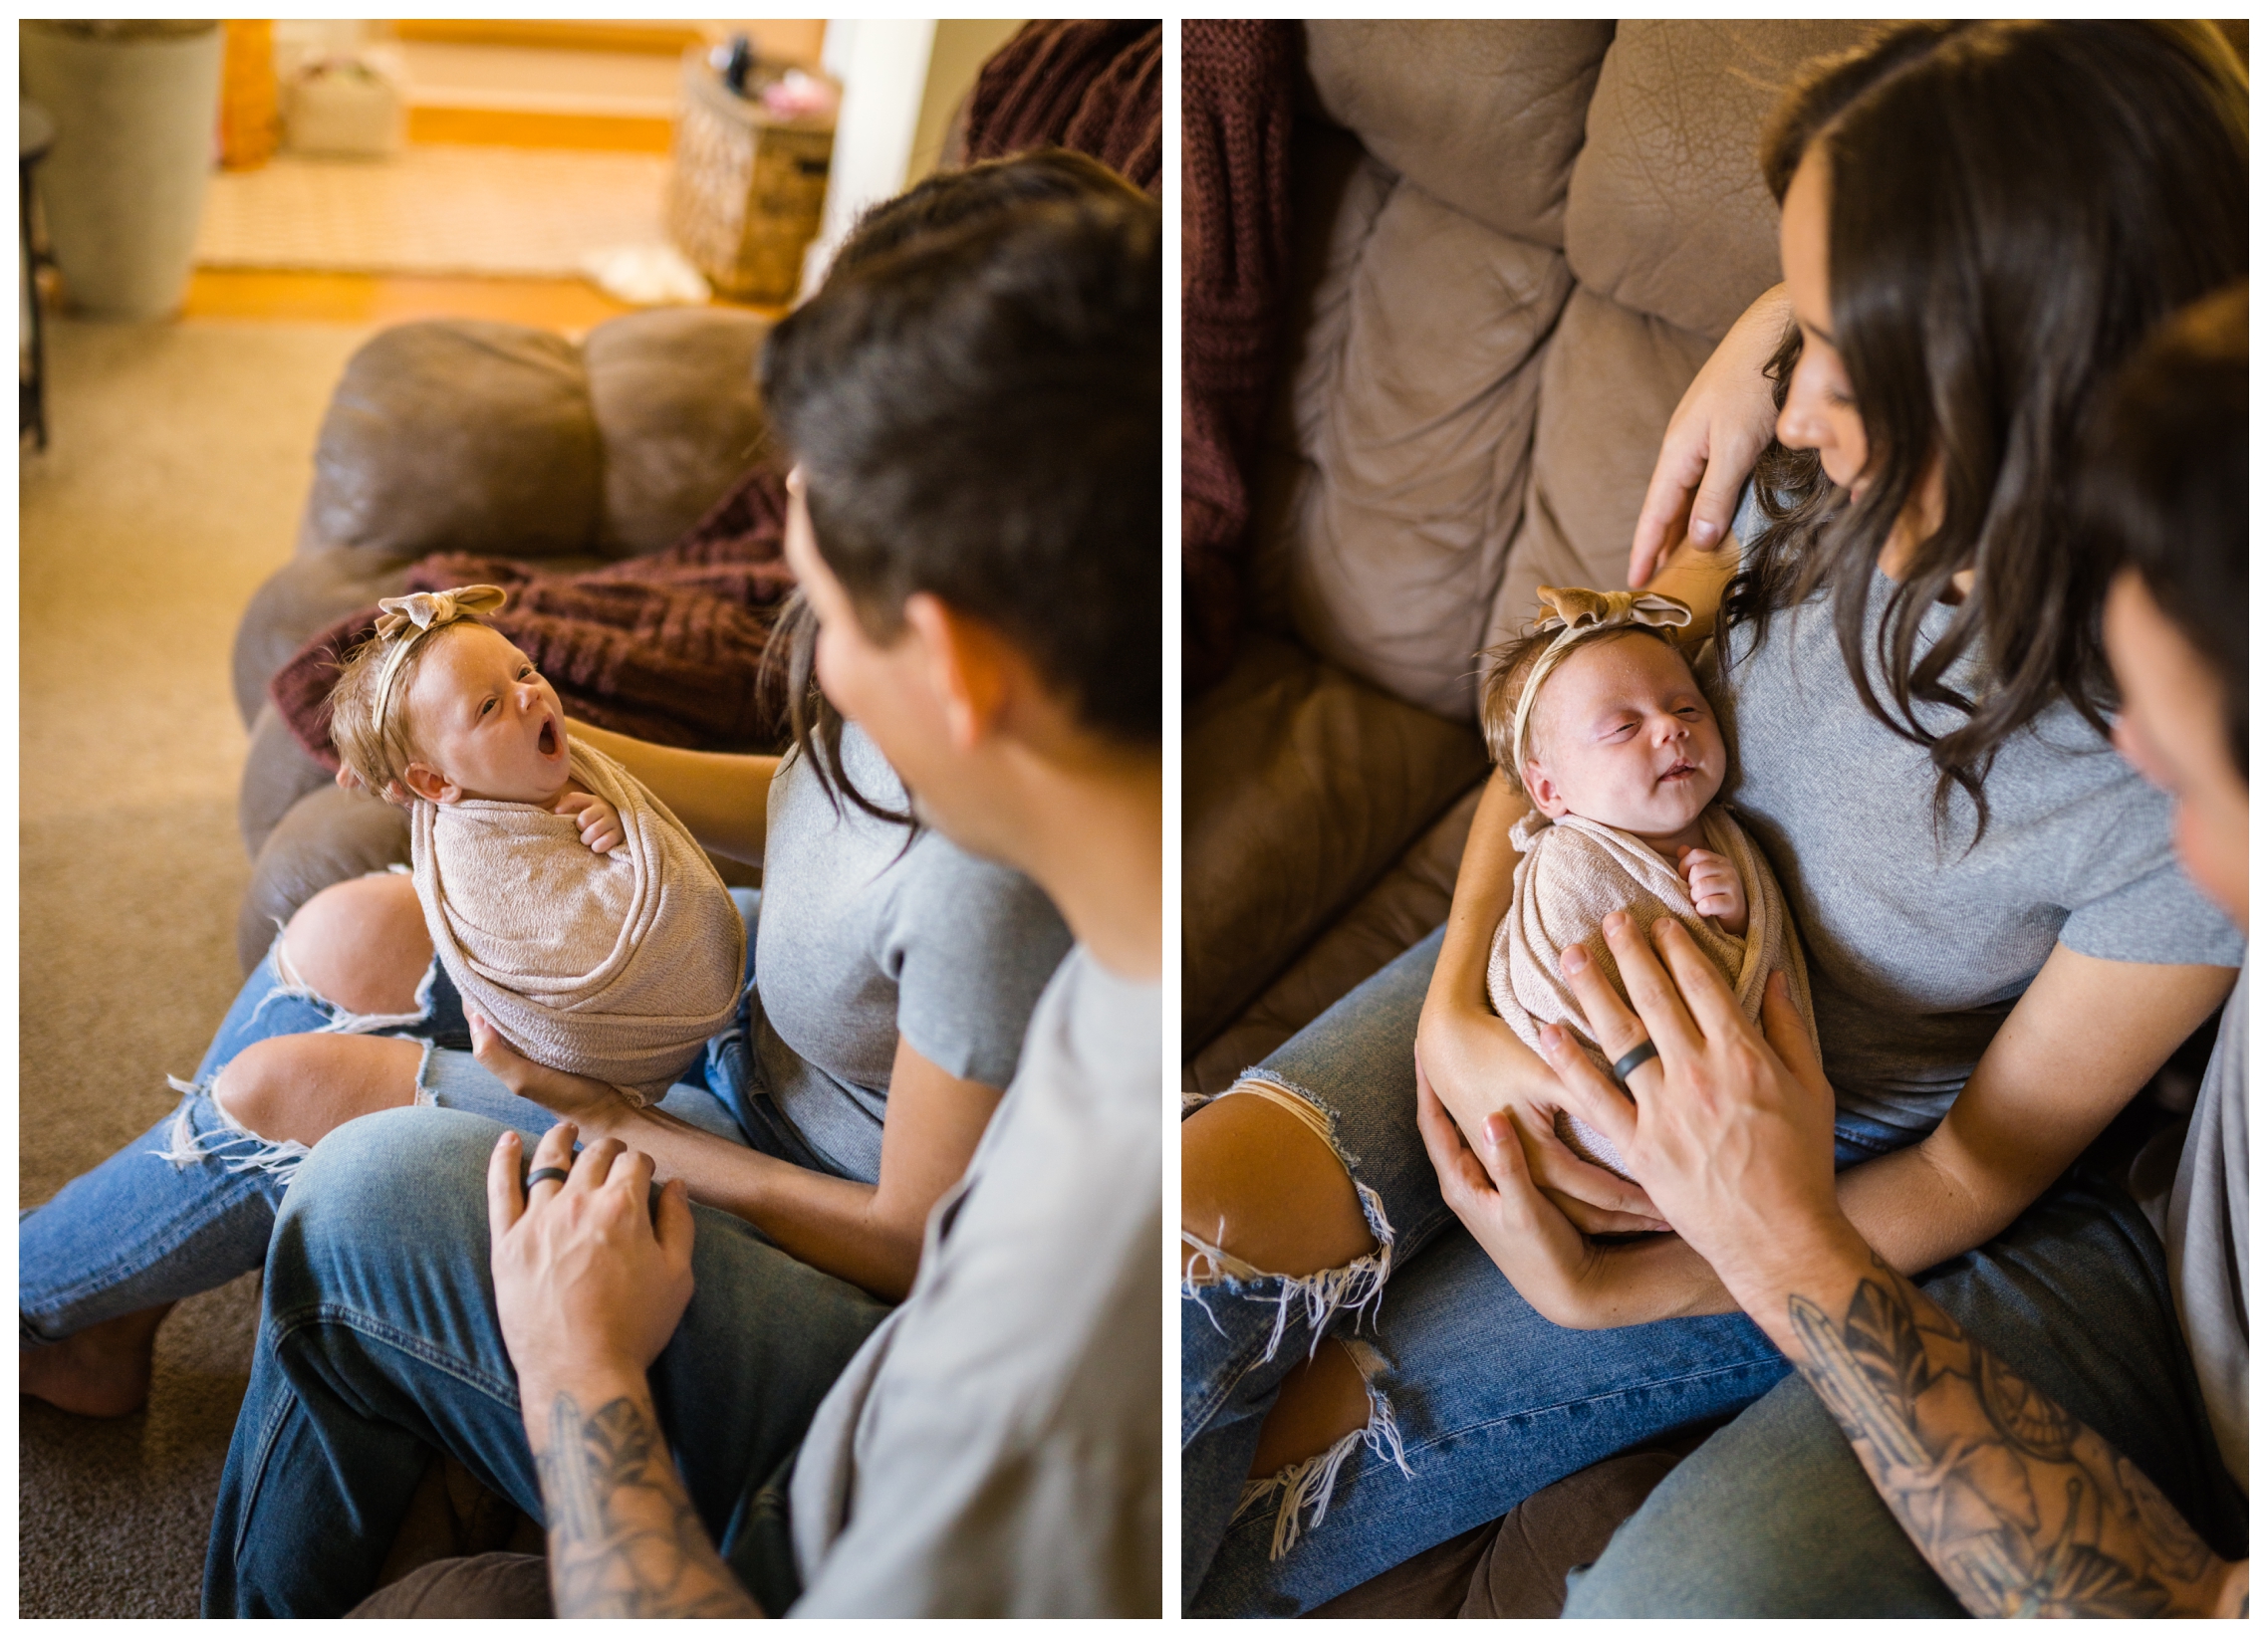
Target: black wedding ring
pixel 1626 1064
pixel 547 1174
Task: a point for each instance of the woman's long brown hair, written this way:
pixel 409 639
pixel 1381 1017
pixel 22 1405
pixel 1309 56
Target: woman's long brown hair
pixel 2012 206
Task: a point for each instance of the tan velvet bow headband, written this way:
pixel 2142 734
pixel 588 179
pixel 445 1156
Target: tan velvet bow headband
pixel 403 622
pixel 1580 612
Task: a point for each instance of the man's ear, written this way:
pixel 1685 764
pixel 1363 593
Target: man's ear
pixel 431 783
pixel 1542 792
pixel 971 667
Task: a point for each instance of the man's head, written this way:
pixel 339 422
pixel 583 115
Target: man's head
pixel 977 514
pixel 2164 497
pixel 1618 731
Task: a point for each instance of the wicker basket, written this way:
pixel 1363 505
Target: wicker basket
pixel 745 190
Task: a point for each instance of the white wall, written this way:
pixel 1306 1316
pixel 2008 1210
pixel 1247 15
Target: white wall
pixel 883 66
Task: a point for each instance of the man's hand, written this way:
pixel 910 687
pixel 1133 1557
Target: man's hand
pixel 590 1282
pixel 1713 883
pixel 1733 1129
pixel 595 816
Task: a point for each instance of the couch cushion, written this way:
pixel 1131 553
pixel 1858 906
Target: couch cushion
pixel 1486 117
pixel 673 394
pixel 461 434
pixel 1419 432
pixel 491 1587
pixel 1401 907
pixel 1666 210
pixel 299 599
pixel 1299 785
pixel 1611 378
pixel 327 836
pixel 277 773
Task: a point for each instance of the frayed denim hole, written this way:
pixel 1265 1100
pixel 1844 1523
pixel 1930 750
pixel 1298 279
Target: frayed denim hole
pixel 1308 1484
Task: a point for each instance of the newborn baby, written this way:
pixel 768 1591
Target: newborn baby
pixel 1598 715
pixel 567 904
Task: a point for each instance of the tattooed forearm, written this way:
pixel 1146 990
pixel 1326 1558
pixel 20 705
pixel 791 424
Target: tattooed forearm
pixel 2021 1509
pixel 624 1539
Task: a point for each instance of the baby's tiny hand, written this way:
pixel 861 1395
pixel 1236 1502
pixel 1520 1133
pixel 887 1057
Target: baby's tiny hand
pixel 1715 885
pixel 601 826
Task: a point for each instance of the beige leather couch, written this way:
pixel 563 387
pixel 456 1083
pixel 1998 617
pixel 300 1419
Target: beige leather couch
pixel 1515 244
pixel 465 435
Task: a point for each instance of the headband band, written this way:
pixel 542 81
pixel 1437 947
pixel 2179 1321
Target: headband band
pixel 1581 612
pixel 403 622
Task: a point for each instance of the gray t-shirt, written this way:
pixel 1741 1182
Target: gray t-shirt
pixel 1919 944
pixel 861 939
pixel 994 1446
pixel 2207 1247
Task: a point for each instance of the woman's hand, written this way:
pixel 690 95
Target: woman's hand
pixel 1570 1279
pixel 1719 428
pixel 1733 1127
pixel 592 1104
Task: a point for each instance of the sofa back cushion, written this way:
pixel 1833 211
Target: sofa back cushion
pixel 461 434
pixel 674 394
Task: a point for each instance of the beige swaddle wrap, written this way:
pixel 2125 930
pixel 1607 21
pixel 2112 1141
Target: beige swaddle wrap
pixel 616 966
pixel 1573 873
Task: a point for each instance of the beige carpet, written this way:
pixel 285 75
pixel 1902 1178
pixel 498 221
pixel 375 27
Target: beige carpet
pixel 435 210
pixel 178 460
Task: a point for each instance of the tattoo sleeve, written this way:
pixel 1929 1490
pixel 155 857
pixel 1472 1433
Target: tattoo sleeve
pixel 2021 1509
pixel 624 1539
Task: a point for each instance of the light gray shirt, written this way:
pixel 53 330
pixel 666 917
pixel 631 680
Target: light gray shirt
pixel 2207 1249
pixel 1918 942
pixel 861 938
pixel 994 1446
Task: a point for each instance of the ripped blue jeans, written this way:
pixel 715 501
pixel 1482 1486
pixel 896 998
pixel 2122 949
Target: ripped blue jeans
pixel 190 1204
pixel 1476 1400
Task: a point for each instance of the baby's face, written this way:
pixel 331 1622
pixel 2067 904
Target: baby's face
pixel 484 721
pixel 1619 732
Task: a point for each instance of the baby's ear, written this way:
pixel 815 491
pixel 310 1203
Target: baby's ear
pixel 431 783
pixel 1543 792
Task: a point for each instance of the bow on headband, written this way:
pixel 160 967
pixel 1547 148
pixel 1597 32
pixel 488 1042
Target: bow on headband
pixel 1577 612
pixel 404 622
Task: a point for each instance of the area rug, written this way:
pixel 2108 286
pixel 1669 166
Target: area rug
pixel 179 459
pixel 435 210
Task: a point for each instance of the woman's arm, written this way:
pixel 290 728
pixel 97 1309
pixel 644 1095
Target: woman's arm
pixel 719 796
pixel 1475 1065
pixel 867 1232
pixel 1720 426
pixel 2086 1036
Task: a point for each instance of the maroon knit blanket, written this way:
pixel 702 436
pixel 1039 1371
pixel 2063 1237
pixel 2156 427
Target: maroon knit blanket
pixel 1236 219
pixel 667 647
pixel 1095 87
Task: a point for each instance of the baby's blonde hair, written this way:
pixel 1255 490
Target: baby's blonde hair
pixel 1509 663
pixel 380 748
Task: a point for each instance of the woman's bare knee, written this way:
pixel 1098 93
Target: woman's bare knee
pixel 296 1088
pixel 1261 1186
pixel 362 944
pixel 1323 1401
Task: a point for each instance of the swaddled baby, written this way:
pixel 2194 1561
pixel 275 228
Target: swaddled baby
pixel 567 904
pixel 1598 715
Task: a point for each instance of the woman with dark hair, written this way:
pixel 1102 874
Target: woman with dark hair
pixel 1972 1489
pixel 1979 222
pixel 890 974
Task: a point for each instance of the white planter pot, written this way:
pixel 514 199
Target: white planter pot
pixel 125 185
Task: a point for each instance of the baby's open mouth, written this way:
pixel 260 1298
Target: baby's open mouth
pixel 546 738
pixel 1680 769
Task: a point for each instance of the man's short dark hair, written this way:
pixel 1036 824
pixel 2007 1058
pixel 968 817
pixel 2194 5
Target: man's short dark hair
pixel 976 405
pixel 2164 484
